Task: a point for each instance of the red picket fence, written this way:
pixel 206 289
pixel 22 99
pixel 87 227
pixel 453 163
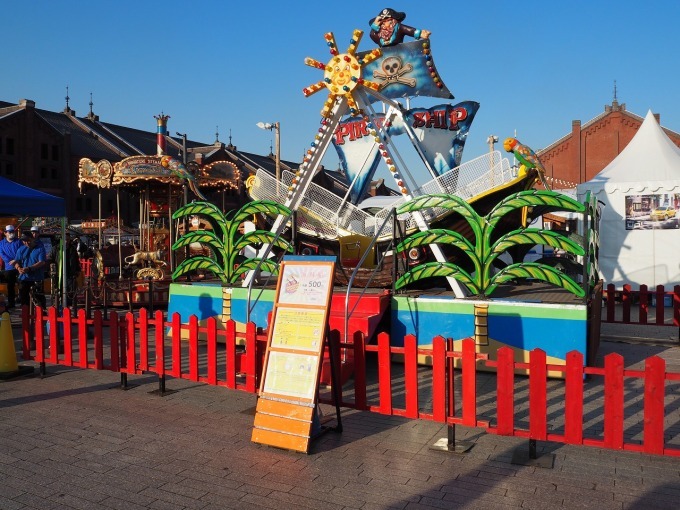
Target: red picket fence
pixel 136 344
pixel 440 392
pixel 627 306
pixel 614 375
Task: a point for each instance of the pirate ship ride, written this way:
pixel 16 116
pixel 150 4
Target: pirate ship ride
pixel 454 228
pixel 361 118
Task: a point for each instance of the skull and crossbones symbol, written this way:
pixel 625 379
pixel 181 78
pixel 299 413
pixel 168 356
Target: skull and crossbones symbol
pixel 393 71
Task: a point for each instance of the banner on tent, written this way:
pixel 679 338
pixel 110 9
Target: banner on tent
pixel 653 210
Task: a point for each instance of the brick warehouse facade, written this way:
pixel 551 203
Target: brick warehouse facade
pixel 42 149
pixel 589 148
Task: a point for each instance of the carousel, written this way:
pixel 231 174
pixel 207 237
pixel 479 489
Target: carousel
pixel 132 265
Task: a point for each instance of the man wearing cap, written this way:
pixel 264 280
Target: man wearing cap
pixel 30 263
pixel 8 250
pixel 35 232
pixel 387 28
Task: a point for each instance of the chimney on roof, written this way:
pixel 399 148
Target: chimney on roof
pixel 27 103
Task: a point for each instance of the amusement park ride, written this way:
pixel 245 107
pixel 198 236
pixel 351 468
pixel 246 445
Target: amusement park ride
pixel 449 252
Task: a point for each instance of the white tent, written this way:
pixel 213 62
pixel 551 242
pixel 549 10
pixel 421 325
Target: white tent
pixel 637 245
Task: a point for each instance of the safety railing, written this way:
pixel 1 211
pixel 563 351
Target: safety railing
pixel 608 407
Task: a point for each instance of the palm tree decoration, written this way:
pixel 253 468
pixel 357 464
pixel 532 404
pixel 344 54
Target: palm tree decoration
pixel 483 252
pixel 225 242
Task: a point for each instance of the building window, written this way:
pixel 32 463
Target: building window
pixel 55 153
pixel 9 146
pixel 43 173
pixel 54 174
pixel 43 151
pixel 9 169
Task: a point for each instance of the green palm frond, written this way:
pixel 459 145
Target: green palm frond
pixel 440 200
pixel 534 236
pixel 262 237
pixel 533 198
pixel 199 262
pixel 261 206
pixel 444 201
pixel 436 236
pixel 199 236
pixel 206 209
pixel 535 271
pixel 437 269
pixel 251 264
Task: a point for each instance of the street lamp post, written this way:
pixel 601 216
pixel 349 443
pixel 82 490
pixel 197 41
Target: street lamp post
pixel 185 193
pixel 277 131
pixel 491 140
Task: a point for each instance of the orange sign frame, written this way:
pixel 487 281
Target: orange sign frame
pixel 295 345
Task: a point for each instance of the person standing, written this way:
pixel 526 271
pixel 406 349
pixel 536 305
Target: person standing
pixel 30 264
pixel 8 250
pixel 35 232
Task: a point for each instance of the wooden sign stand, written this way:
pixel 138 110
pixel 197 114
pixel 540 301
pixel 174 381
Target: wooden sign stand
pixel 286 413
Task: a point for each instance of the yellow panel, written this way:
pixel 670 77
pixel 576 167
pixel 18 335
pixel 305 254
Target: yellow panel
pixel 353 247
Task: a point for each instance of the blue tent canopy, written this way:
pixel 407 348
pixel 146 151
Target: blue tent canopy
pixel 16 199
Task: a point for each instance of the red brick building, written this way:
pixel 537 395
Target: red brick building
pixel 580 155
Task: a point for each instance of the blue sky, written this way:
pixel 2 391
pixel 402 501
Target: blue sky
pixel 533 65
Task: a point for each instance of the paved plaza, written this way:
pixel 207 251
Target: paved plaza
pixel 75 440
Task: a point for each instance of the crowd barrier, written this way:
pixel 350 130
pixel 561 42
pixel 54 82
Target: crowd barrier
pixel 628 306
pixel 142 344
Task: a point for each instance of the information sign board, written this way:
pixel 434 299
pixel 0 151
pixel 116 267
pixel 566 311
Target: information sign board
pixel 295 347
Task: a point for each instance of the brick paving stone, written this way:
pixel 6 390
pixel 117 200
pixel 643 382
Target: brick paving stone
pixel 72 440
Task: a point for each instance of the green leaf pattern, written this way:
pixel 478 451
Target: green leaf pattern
pixel 225 241
pixel 482 253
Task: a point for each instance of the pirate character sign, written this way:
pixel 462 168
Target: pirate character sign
pixel 387 28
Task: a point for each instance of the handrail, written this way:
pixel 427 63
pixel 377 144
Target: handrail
pixel 264 257
pixel 392 214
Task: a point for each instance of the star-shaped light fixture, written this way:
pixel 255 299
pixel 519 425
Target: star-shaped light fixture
pixel 342 73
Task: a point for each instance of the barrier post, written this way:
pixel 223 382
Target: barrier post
pixel 448 443
pixel 159 349
pixel 538 407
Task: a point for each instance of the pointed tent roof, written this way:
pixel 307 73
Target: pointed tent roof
pixel 650 160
